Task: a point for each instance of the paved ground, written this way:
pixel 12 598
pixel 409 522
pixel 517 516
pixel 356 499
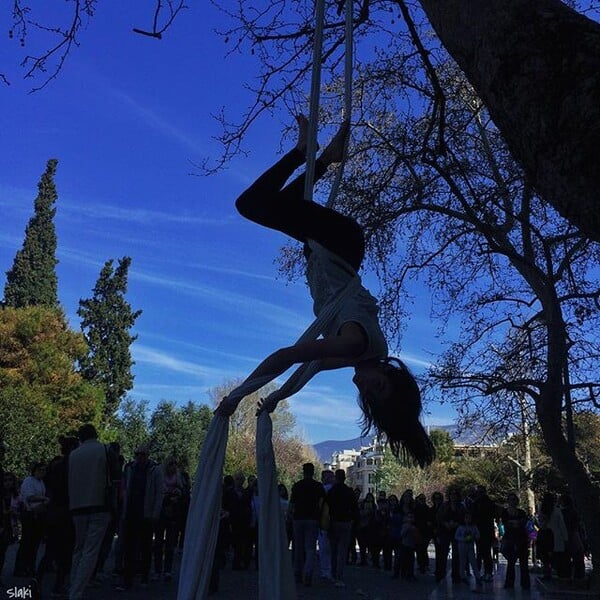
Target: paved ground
pixel 363 583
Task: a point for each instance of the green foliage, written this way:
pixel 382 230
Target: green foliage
pixel 130 426
pixel 169 429
pixel 179 431
pixel 395 476
pixel 106 320
pixel 444 446
pixel 41 394
pixel 29 426
pixel 291 451
pixel 587 439
pixel 492 470
pixel 32 281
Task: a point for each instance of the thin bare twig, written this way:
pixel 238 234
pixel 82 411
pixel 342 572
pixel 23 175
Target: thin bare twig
pixel 174 8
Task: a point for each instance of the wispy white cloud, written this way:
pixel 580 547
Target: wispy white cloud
pixel 159 123
pixel 415 361
pixel 319 406
pixel 99 211
pixel 162 360
pixel 236 272
pixel 19 201
pixel 197 348
pixel 177 393
pixel 283 318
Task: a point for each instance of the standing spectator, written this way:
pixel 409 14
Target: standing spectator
pixel 144 490
pixel 185 505
pixel 552 536
pixel 220 557
pixel 424 523
pixel 165 531
pixel 92 482
pixel 449 517
pixel 284 503
pixel 236 502
pixel 60 532
pixel 467 535
pixel 325 560
pixel 484 512
pixel 366 520
pixel 306 503
pixel 33 517
pixel 437 500
pixel 252 492
pixel 352 558
pixel 342 512
pixel 396 519
pixel 115 519
pixel 9 483
pixel 515 542
pixel 380 538
pixel 406 506
pixel 574 564
pixel 118 543
pixel 409 538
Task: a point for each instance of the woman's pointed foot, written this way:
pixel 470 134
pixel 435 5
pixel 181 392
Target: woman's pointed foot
pixel 334 152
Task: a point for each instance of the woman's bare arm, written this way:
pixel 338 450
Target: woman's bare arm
pixel 333 352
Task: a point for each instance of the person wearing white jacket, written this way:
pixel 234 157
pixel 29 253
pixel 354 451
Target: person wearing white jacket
pixel 93 471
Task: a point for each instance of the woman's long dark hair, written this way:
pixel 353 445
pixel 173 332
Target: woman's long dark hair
pixel 398 417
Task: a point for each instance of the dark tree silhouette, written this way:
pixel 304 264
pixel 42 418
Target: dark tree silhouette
pixel 106 321
pixel 32 280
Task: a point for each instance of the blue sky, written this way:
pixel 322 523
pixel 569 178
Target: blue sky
pixel 126 118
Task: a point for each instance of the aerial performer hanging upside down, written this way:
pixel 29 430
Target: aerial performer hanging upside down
pixel 334 249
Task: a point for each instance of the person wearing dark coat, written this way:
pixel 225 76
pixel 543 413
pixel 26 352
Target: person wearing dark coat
pixel 343 509
pixel 484 511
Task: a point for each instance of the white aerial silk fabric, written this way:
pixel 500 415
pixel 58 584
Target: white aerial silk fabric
pixel 275 575
pixel 276 580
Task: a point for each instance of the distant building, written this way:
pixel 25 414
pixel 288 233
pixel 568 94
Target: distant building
pixel 360 465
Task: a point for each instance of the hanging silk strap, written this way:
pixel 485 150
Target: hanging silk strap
pixel 275 576
pixel 315 92
pixel 348 74
pixel 205 506
pixel 202 527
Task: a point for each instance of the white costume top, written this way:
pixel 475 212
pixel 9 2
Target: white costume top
pixel 327 274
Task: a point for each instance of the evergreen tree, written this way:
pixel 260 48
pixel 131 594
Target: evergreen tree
pixel 41 394
pixel 32 280
pixel 106 320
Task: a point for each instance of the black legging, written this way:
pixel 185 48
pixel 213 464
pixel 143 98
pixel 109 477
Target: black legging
pixel 284 209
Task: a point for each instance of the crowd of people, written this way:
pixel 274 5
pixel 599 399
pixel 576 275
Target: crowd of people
pixel 330 525
pixel 88 503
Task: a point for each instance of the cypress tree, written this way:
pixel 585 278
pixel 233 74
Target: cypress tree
pixel 32 281
pixel 106 321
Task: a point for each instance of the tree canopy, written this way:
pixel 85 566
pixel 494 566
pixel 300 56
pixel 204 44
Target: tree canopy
pixel 41 394
pixel 106 321
pixel 32 280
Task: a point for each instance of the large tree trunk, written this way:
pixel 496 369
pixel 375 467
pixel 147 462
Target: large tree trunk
pixel 536 65
pixel 549 412
pixel 583 491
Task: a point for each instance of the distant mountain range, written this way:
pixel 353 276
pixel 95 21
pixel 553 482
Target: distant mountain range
pixel 325 449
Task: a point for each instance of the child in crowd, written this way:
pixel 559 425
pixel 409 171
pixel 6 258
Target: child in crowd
pixel 410 536
pixel 466 535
